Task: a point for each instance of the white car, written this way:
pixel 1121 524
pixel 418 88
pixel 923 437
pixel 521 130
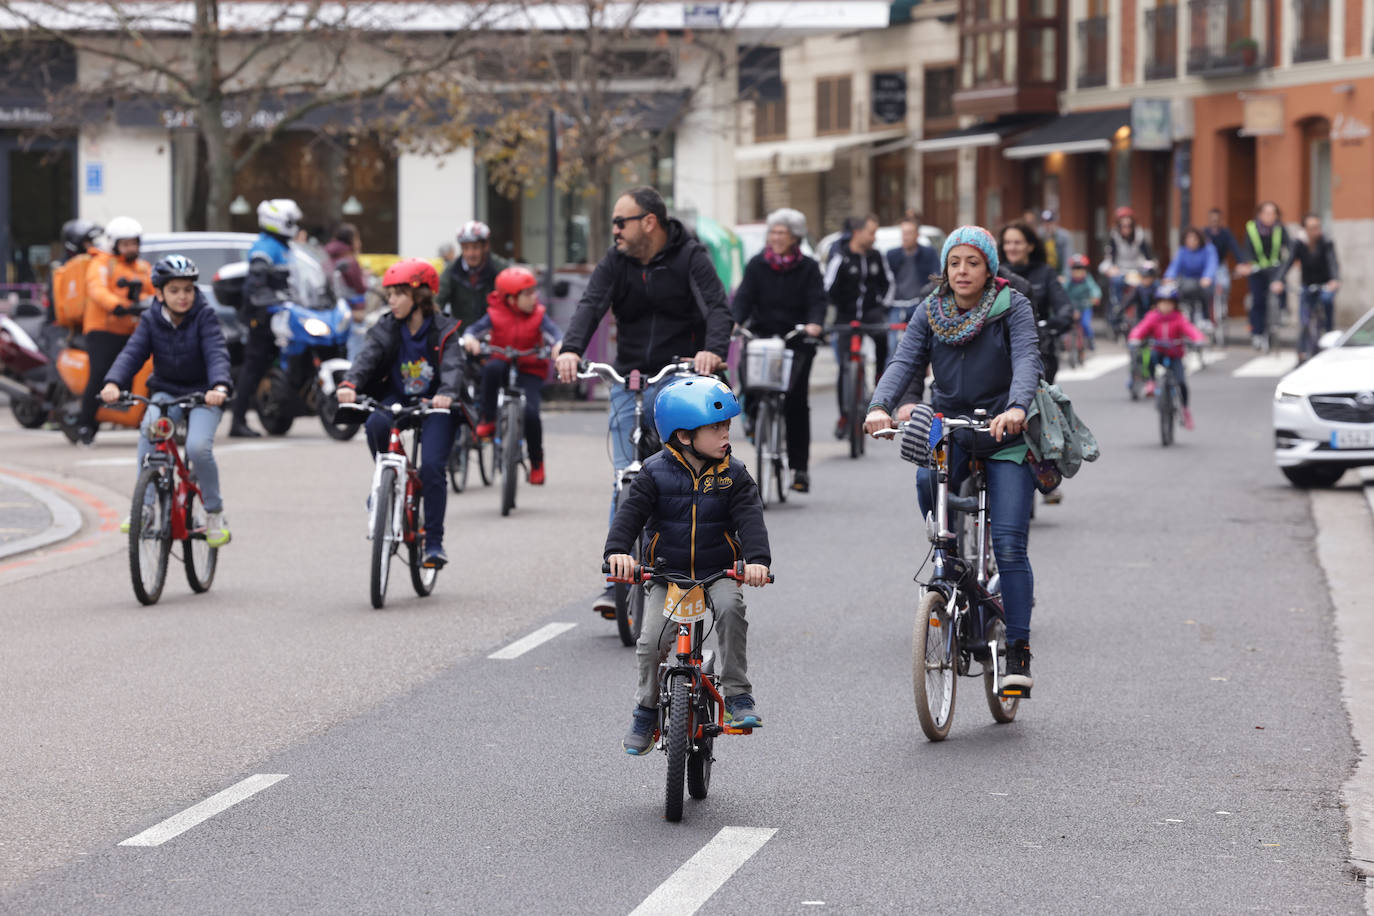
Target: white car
pixel 1324 410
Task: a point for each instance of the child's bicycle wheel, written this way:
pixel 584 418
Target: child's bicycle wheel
pixel 383 543
pixel 1167 412
pixel 934 671
pixel 678 741
pixel 460 459
pixel 150 533
pixel 199 558
pixel 1003 709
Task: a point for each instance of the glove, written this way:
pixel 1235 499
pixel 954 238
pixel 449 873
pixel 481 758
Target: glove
pixel 915 444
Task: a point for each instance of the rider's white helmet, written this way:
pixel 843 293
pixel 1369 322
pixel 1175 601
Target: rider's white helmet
pixel 473 231
pixel 280 216
pixel 123 227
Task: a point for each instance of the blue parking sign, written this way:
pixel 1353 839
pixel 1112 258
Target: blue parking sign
pixel 95 178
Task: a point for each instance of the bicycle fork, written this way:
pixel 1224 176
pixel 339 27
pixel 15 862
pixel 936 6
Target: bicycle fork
pixel 398 497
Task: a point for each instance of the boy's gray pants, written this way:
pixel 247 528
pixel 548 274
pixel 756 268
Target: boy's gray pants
pixel 658 638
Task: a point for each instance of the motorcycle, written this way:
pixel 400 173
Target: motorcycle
pixel 25 370
pixel 313 344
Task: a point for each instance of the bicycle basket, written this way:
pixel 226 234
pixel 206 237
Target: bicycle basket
pixel 767 365
pixel 915 445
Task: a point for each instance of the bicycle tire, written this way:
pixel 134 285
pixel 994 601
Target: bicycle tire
pixel 510 454
pixel 856 409
pixel 629 603
pixel 763 437
pixel 782 465
pixel 460 460
pixel 383 499
pixel 486 460
pixel 421 577
pixel 1271 322
pixel 1003 709
pixel 1166 412
pixel 328 412
pixel 935 687
pixel 149 550
pixel 700 759
pixel 679 718
pixel 199 558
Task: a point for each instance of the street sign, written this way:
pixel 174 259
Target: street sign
pixel 701 16
pixel 889 97
pixel 95 178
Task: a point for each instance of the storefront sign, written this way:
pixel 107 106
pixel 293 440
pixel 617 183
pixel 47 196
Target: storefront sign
pixel 701 16
pixel 1348 130
pixel 1151 124
pixel 1262 115
pixel 809 161
pixel 889 98
pixel 24 116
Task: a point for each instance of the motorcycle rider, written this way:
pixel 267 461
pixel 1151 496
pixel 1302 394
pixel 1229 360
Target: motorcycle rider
pixel 267 283
pixel 115 281
pixel 470 278
pixel 67 287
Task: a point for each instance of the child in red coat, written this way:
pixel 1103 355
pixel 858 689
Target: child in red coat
pixel 1164 323
pixel 515 319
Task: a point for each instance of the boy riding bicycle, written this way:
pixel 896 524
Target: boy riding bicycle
pixel 702 513
pixel 407 357
pixel 183 336
pixel 515 319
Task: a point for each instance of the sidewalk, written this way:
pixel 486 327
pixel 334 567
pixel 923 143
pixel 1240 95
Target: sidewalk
pixel 32 516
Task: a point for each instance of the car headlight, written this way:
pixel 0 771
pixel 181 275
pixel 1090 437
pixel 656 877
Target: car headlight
pixel 1286 397
pixel 316 328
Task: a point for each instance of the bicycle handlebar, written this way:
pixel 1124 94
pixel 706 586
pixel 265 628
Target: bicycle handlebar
pixel 745 334
pixel 856 327
pixel 607 373
pixel 1157 343
pixel 398 411
pixel 649 574
pixel 195 399
pixel 948 424
pixel 511 353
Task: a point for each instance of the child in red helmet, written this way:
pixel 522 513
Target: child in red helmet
pixel 410 354
pixel 515 318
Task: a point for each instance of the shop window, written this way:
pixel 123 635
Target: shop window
pixel 940 84
pixel 834 105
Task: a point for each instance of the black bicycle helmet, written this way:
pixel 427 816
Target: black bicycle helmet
pixel 915 445
pixel 174 267
pixel 78 235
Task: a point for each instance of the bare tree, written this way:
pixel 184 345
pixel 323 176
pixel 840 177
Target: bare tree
pixel 240 74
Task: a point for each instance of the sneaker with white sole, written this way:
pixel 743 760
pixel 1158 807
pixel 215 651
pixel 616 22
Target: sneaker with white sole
pixel 740 712
pixel 640 738
pixel 217 529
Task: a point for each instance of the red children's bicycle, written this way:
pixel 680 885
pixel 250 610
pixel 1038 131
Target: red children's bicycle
pixel 167 507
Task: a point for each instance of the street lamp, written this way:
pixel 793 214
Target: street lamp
pixel 240 207
pixel 352 206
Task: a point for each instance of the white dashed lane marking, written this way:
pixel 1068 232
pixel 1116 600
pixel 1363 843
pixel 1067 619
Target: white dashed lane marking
pixel 537 638
pixel 178 824
pixel 703 874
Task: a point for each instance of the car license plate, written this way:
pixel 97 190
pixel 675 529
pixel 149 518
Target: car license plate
pixel 1353 438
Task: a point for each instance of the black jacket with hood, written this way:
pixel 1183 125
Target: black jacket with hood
pixel 674 306
pixel 371 371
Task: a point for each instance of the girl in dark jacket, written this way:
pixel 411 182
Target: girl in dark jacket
pixel 782 288
pixel 410 354
pixel 978 336
pixel 182 335
pixel 1023 252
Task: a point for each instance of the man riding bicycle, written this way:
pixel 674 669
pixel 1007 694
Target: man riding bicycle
pixel 668 302
pixel 1320 275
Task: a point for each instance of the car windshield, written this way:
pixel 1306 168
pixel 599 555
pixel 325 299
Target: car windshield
pixel 208 258
pixel 1363 335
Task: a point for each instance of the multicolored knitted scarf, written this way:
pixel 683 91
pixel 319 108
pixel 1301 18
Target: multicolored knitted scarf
pixel 782 261
pixel 952 326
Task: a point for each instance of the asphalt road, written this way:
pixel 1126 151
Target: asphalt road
pixel 1185 748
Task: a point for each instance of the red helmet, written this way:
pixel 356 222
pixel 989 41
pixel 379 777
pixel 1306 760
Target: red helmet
pixel 1123 212
pixel 413 272
pixel 515 280
pixel 1078 260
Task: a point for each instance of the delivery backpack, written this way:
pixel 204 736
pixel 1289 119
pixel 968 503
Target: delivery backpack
pixel 69 292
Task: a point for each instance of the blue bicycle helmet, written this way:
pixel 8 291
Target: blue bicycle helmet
pixel 693 402
pixel 174 267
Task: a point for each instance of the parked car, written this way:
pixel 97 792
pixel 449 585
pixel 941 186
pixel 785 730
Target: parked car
pixel 212 251
pixel 888 238
pixel 1324 409
pixel 752 236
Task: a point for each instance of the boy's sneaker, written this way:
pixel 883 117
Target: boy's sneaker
pixel 537 474
pixel 1054 497
pixel 801 482
pixel 1187 418
pixel 605 603
pixel 486 430
pixel 125 525
pixel 216 529
pixel 435 558
pixel 1150 389
pixel 740 712
pixel 639 740
pixel 1018 666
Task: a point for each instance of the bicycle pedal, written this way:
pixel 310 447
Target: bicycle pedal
pixel 1015 693
pixel 731 730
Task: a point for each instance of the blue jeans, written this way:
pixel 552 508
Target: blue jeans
pixel 1323 299
pixel 436 441
pixel 200 438
pixel 1010 491
pixel 623 424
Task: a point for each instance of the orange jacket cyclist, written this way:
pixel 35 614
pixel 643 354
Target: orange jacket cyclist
pixel 115 281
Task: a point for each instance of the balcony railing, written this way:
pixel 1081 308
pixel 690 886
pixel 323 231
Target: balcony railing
pixel 1221 40
pixel 1092 52
pixel 1313 20
pixel 1161 43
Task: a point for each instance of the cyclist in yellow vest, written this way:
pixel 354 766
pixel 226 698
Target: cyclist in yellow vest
pixel 1265 248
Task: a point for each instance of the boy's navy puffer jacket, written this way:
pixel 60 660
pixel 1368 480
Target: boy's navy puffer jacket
pixel 187 357
pixel 696 524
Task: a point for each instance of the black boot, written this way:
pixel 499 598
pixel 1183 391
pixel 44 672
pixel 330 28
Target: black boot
pixel 241 430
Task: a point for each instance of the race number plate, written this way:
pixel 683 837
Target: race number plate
pixel 1353 438
pixel 685 607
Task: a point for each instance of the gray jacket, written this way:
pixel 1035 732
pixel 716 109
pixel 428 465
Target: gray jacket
pixel 1054 432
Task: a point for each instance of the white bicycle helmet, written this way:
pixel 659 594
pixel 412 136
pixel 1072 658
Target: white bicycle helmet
pixel 280 216
pixel 474 231
pixel 123 227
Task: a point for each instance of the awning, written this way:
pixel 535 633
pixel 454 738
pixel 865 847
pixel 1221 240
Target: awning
pixel 990 134
pixel 1078 132
pixel 795 157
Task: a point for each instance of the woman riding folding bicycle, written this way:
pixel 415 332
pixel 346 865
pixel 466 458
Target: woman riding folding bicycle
pixel 979 337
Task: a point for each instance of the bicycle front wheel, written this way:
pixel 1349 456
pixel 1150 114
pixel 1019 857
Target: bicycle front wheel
pixel 421 577
pixel 1166 413
pixel 934 670
pixel 510 455
pixel 763 440
pixel 460 459
pixel 679 716
pixel 1003 709
pixel 781 463
pixel 629 603
pixel 383 539
pixel 198 556
pixel 150 534
pixel 857 409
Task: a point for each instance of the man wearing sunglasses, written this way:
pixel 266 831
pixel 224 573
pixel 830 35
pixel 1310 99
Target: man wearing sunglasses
pixel 661 286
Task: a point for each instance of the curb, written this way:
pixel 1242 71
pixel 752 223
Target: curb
pixel 66 519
